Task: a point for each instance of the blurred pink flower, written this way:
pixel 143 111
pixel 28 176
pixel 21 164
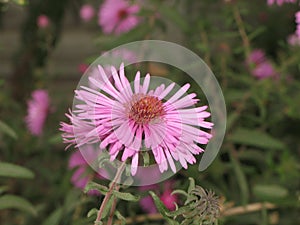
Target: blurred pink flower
pixel 256 56
pixel 264 70
pixel 293 40
pixel 280 2
pixel 168 199
pixel 297 20
pixel 259 65
pixel 87 12
pixel 43 21
pixel 37 111
pixel 118 16
pixel 82 67
pixel 147 203
pixel 83 173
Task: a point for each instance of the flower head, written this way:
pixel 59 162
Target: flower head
pixel 130 120
pixel 118 16
pixel 87 12
pixel 37 111
pixel 43 21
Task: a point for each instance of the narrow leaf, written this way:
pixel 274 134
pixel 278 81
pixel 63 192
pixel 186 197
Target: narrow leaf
pixel 159 205
pixel 12 170
pixel 94 186
pixel 54 217
pixel 255 138
pixel 16 202
pixel 4 128
pixel 241 179
pixel 92 212
pixel 126 196
pixel 270 192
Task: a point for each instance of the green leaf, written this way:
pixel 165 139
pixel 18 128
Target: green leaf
pixel 12 170
pixel 94 186
pixel 126 196
pixel 180 192
pixel 255 138
pixel 232 117
pixel 4 128
pixel 162 209
pixel 16 202
pixel 54 217
pixel 92 212
pixel 241 179
pixel 174 16
pixel 120 217
pixel 107 207
pixel 192 185
pixel 270 192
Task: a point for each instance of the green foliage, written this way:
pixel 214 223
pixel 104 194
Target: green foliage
pixel 16 202
pixel 15 171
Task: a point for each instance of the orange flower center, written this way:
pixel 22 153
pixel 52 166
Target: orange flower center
pixel 146 109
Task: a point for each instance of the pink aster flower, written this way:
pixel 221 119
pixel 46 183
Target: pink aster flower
pixel 256 56
pixel 128 120
pixel 264 70
pixel 83 173
pixel 118 16
pixel 43 21
pixel 87 12
pixel 37 111
pixel 280 2
pixel 259 65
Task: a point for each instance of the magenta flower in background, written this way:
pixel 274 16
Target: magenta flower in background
pixel 118 16
pixel 293 40
pixel 82 67
pixel 168 199
pixel 256 56
pixel 259 65
pixel 280 2
pixel 37 110
pixel 147 203
pixel 297 20
pixel 83 173
pixel 264 70
pixel 121 118
pixel 87 12
pixel 43 21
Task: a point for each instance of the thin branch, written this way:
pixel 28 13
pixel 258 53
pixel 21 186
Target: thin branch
pixel 242 30
pixel 109 193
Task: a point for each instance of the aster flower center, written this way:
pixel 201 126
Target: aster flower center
pixel 146 109
pixel 122 14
